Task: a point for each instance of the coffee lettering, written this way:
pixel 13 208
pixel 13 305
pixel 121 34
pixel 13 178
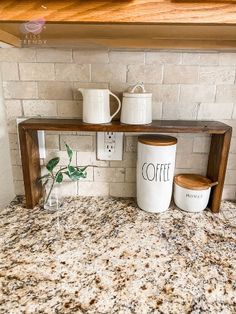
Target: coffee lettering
pixel 158 172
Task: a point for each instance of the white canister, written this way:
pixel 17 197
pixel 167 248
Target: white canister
pixel 136 106
pixel 155 172
pixel 192 192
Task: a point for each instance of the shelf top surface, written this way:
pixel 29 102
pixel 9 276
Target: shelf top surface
pixel 161 126
pixel 107 11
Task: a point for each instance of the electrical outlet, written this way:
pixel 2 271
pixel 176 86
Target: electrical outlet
pixel 110 145
pixel 109 148
pixel 110 137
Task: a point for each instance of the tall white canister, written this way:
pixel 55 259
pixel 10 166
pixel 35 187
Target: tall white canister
pixel 155 171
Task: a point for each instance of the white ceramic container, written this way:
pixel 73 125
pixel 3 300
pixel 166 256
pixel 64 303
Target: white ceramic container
pixel 192 192
pixel 96 105
pixel 136 106
pixel 155 172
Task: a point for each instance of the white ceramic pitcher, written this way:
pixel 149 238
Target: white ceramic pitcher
pixel 96 105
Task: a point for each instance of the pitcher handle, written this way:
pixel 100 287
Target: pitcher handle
pixel 119 105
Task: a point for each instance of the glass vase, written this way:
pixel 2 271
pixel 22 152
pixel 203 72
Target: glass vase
pixel 51 200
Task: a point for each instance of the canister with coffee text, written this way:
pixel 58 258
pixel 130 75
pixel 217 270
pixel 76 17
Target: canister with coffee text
pixel 155 171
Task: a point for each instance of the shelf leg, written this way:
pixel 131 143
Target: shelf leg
pixel 30 165
pixel 216 169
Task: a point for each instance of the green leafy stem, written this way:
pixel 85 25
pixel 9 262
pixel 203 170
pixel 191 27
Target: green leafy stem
pixel 73 172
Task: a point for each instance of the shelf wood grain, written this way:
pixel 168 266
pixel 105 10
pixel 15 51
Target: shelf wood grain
pixel 125 11
pixel 162 126
pixel 217 162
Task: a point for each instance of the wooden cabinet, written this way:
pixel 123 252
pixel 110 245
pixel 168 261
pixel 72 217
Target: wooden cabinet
pixel 126 24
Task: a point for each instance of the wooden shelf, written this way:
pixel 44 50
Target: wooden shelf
pixel 136 24
pixel 162 126
pixel 125 11
pixel 217 160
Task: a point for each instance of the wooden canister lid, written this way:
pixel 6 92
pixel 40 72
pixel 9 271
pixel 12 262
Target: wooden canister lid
pixel 157 140
pixel 193 181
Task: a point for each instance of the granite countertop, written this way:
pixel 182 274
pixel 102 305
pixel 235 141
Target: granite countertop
pixel 104 255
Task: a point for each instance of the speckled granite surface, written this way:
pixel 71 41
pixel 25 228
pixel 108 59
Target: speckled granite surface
pixel 104 255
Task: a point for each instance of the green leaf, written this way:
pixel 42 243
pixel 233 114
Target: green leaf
pixel 59 177
pixel 71 169
pixel 52 164
pixel 76 175
pixel 69 152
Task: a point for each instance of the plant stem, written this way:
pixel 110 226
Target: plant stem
pixel 50 191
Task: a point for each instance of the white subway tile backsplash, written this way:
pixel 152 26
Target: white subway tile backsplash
pixel 230 177
pixel 55 90
pixel 17 55
pixel 52 141
pixel 164 93
pixel 93 188
pixel 123 189
pixel 108 72
pixel 69 108
pixel 225 93
pixel 184 144
pixel 77 142
pixel 15 157
pixel 182 111
pixel 89 158
pixel 234 112
pixel 227 58
pixel 197 93
pixel 156 110
pixel 20 90
pixel 149 74
pixel 37 71
pixel 72 72
pixel 216 75
pixel 201 144
pixel 185 85
pixel 52 153
pixel 193 58
pixel 232 162
pixel 129 160
pixel 13 109
pixel 17 173
pixel 163 57
pixel 130 175
pixel 54 55
pixel 9 71
pixel 68 188
pixel 180 74
pixel 19 187
pixel 109 174
pixel 131 143
pixel 127 57
pixel 90 56
pixel 193 161
pixel 229 193
pixel 214 111
pixel 44 108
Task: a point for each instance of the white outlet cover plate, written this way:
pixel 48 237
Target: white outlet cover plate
pixel 105 154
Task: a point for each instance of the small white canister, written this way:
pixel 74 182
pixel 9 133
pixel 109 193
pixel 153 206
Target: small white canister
pixel 192 192
pixel 155 172
pixel 136 106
